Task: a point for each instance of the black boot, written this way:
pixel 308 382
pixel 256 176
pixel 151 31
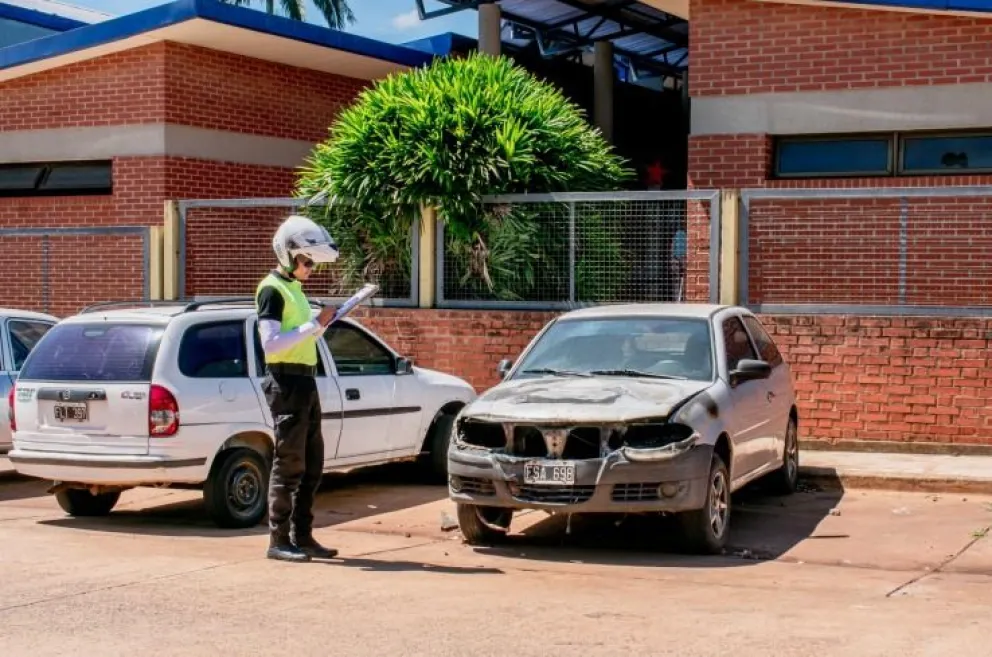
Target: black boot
pixel 282 549
pixel 311 548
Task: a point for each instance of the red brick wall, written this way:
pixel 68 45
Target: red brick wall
pixel 740 46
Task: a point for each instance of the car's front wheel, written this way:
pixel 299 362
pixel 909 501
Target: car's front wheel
pixel 82 503
pixel 481 525
pixel 236 493
pixel 785 480
pixel 705 530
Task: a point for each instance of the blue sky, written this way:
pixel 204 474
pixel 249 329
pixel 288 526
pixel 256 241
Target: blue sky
pixel 387 20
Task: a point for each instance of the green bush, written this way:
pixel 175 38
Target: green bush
pixel 445 136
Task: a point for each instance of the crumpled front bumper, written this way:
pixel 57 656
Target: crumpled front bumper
pixel 625 481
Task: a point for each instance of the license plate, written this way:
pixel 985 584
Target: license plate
pixel 71 412
pixel 556 474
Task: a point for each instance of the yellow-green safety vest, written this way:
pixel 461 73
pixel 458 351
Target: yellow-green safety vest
pixel 295 313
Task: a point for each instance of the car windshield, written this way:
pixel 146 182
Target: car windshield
pixel 662 347
pixel 94 352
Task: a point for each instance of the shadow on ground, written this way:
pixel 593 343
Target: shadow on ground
pixel 342 498
pixel 21 489
pixel 763 527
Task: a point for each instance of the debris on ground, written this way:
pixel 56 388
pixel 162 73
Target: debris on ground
pixel 835 511
pixel 447 522
pixel 901 511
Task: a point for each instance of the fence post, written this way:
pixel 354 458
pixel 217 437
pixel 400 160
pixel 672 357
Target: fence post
pixel 170 252
pixel 729 245
pixel 155 262
pixel 428 256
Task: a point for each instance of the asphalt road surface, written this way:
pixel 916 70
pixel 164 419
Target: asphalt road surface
pixel 821 573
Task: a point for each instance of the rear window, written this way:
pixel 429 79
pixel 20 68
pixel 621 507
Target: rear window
pixel 94 352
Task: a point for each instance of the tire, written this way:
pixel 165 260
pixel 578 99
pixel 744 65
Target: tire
pixel 440 441
pixel 785 480
pixel 84 504
pixel 236 495
pixel 705 530
pixel 477 532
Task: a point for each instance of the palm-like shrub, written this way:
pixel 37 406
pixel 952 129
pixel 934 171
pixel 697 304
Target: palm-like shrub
pixel 445 136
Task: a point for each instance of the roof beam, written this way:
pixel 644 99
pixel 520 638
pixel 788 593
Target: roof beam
pixel 615 14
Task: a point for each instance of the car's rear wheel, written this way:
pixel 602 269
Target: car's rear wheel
pixel 785 480
pixel 237 492
pixel 481 525
pixel 82 503
pixel 705 530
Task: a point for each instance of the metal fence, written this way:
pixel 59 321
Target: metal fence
pixel 889 251
pixel 556 251
pixel 59 270
pixel 226 248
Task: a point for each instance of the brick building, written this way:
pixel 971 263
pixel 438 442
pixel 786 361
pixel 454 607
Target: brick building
pixel 880 301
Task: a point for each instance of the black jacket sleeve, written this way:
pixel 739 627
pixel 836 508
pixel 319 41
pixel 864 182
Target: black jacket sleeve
pixel 270 304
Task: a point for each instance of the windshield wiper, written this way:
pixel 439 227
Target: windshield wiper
pixel 553 372
pixel 630 372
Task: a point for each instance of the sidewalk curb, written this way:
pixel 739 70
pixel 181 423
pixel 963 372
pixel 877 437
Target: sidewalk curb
pixel 831 478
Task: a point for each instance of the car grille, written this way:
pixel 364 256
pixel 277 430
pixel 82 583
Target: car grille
pixel 554 494
pixel 476 486
pixel 639 492
pixel 582 443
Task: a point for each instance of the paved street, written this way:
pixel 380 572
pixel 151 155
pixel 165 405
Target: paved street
pixel 823 573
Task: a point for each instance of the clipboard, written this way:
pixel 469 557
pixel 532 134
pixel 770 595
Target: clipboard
pixel 368 291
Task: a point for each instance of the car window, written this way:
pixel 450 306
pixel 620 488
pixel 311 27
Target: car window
pixel 355 353
pixel 215 350
pixel 669 346
pixel 24 335
pixel 260 356
pixel 94 352
pixel 766 346
pixel 736 343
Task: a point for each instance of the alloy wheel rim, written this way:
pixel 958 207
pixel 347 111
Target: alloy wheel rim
pixel 719 504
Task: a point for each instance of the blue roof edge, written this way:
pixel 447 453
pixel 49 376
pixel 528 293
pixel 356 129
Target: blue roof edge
pixel 130 25
pixel 39 18
pixel 979 6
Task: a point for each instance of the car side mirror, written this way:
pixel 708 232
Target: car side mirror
pixel 404 366
pixel 504 367
pixel 750 370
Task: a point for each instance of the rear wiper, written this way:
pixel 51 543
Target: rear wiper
pixel 629 372
pixel 553 372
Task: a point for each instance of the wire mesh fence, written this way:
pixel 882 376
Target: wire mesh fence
pixel 888 250
pixel 227 249
pixel 60 270
pixel 562 250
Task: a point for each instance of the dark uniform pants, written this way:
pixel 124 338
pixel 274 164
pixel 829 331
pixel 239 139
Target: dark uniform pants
pixel 298 462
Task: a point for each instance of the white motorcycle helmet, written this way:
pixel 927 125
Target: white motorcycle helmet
pixel 299 235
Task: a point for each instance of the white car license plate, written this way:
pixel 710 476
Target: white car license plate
pixel 552 473
pixel 71 412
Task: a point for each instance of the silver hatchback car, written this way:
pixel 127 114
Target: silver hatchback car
pixel 629 409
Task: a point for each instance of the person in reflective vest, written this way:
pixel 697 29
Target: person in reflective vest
pixel 289 337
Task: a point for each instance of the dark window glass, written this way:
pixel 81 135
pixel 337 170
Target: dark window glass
pixel 936 153
pixel 77 176
pixel 94 352
pixel 766 346
pixel 56 179
pixel 213 351
pixel 822 157
pixel 356 353
pixel 24 335
pixel 736 343
pixel 20 178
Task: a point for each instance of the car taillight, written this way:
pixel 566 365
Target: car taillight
pixel 163 412
pixel 10 409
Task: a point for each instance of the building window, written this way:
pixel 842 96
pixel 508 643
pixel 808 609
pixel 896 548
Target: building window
pixel 56 179
pixel 887 154
pixel 821 157
pixel 946 153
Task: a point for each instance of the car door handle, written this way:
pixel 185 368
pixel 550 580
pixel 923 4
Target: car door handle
pixel 351 394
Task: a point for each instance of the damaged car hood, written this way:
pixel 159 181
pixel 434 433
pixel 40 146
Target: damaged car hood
pixel 570 401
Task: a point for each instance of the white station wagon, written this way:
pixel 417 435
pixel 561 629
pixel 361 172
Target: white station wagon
pixel 170 395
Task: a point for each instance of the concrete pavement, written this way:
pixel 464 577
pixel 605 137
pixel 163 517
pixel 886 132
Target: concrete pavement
pixel 827 572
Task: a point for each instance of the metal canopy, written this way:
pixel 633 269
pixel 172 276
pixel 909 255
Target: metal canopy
pixel 646 40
